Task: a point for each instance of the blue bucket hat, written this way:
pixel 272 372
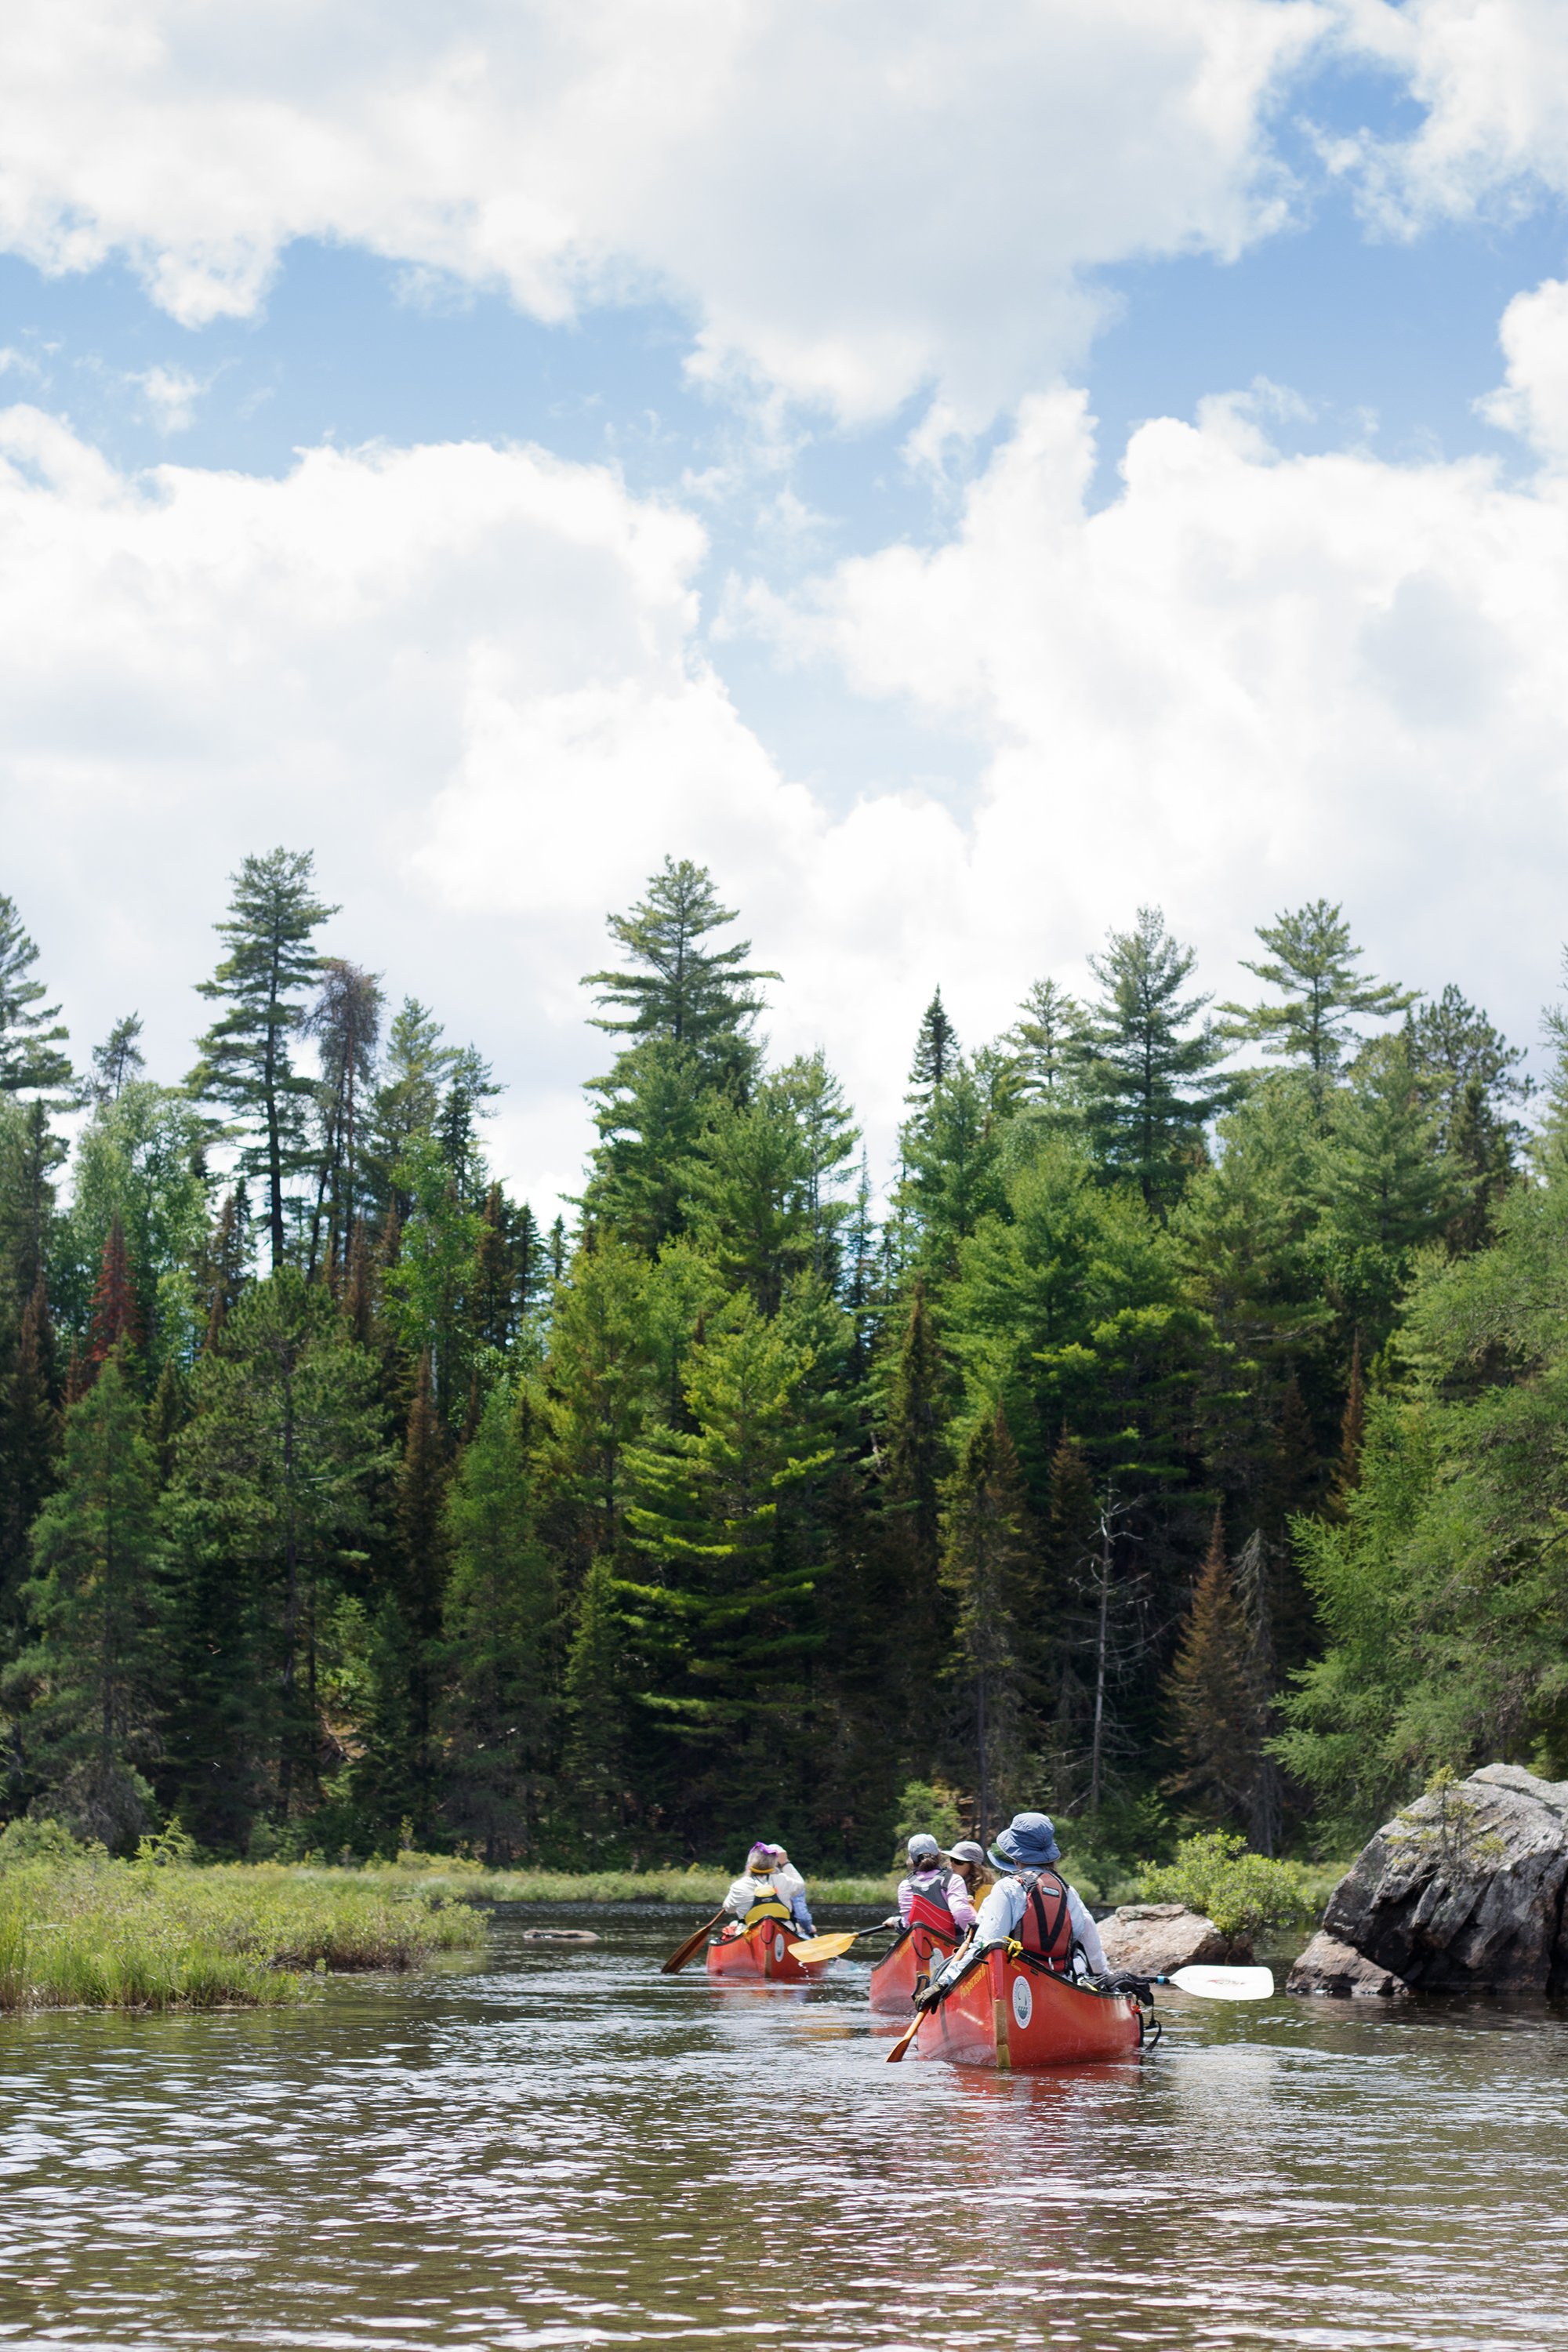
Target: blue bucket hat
pixel 1029 1843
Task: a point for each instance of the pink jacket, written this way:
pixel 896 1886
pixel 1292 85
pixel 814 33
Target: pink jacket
pixel 938 1882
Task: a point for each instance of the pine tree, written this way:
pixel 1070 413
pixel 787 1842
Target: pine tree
pixel 399 1778
pixel 167 1416
pixel 914 1462
pixel 118 1060
pixel 599 1687
pixel 93 1669
pixel 276 1473
pixel 1383 1186
pixel 936 1053
pixel 1048 1040
pixel 679 990
pixel 1312 963
pixel 497 1650
pixel 406 1105
pixel 1149 1090
pixel 989 1564
pixel 31 1033
pixel 1353 1435
pixel 1468 1074
pixel 245 1059
pixel 227 1260
pixel 115 1320
pixel 346 1021
pixel 1217 1704
pixel 29 1446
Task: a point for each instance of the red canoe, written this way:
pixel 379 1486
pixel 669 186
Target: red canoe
pixel 763 1953
pixel 896 1975
pixel 1005 2014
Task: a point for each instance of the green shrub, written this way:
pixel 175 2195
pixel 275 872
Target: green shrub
pixel 924 1805
pixel 1243 1892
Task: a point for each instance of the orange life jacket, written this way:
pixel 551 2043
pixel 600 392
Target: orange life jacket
pixel 1046 1924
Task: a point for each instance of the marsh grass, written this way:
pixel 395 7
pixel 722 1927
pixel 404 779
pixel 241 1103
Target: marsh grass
pixel 442 1874
pixel 84 1931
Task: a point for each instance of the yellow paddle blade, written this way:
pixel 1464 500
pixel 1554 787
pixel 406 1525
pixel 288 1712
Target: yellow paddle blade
pixel 822 1947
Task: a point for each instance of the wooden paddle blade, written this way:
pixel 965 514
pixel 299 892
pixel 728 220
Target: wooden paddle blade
pixel 1226 1984
pixel 692 1945
pixel 904 2040
pixel 824 1948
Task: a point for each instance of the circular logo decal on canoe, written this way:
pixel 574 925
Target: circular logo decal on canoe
pixel 778 1947
pixel 1022 2001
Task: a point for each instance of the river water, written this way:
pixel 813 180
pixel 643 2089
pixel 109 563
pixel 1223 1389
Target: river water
pixel 556 2147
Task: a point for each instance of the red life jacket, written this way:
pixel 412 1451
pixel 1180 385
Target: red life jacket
pixel 928 1905
pixel 1047 1925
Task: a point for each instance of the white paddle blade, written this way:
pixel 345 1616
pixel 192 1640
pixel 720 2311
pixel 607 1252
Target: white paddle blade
pixel 1226 1984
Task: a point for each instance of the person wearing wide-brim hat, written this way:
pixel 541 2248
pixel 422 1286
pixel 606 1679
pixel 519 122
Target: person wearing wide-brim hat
pixel 1032 1903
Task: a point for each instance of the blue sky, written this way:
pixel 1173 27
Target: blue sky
pixel 788 542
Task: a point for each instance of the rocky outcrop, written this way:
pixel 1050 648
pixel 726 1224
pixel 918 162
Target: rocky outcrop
pixel 1464 1890
pixel 1329 1966
pixel 1150 1940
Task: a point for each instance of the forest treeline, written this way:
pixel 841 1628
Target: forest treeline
pixel 1178 1439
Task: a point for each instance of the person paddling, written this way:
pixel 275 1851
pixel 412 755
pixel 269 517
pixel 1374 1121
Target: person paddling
pixel 932 1895
pixel 757 1894
pixel 1031 1903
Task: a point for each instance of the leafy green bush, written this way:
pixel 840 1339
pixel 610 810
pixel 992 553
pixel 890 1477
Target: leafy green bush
pixel 1243 1892
pixel 924 1806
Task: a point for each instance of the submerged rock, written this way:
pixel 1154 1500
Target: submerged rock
pixel 1463 1891
pixel 1329 1966
pixel 1150 1940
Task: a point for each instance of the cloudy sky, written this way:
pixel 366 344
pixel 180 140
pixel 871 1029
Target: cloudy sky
pixel 960 472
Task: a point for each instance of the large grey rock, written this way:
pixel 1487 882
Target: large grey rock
pixel 1328 1967
pixel 1150 1940
pixel 1463 1891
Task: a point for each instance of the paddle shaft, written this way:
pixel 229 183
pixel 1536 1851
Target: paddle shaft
pixel 684 1952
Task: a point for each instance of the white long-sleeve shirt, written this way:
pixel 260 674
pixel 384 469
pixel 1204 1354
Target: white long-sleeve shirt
pixel 746 1890
pixel 1001 1914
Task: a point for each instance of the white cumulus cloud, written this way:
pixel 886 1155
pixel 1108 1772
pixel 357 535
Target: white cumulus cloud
pixel 851 202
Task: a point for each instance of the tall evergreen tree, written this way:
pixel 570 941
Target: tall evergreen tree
pixel 31 1032
pixel 1149 1077
pixel 93 1669
pixel 346 1021
pixel 936 1053
pixel 914 1463
pixel 29 1447
pixel 497 1655
pixel 118 1060
pixel 1218 1703
pixel 115 1321
pixel 988 1564
pixel 246 1063
pixel 1312 964
pixel 277 1470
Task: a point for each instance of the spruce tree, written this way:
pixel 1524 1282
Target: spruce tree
pixel 1218 1703
pixel 497 1650
pixel 345 1022
pixel 30 1446
pixel 118 1060
pixel 276 1474
pixel 31 1032
pixel 936 1053
pixel 1312 964
pixel 990 1565
pixel 246 1062
pixel 93 1670
pixel 1149 1076
pixel 115 1321
pixel 599 1689
pixel 913 1454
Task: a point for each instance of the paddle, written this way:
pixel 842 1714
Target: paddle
pixel 693 1943
pixel 905 2038
pixel 833 1948
pixel 1224 1984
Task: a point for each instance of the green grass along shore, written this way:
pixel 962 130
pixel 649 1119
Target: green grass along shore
pixel 78 1929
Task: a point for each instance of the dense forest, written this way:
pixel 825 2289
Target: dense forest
pixel 1177 1437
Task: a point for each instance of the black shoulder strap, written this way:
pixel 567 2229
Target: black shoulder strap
pixel 1049 1930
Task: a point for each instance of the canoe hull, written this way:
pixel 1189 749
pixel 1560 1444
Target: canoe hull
pixel 763 1955
pixel 1022 2020
pixel 897 1974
